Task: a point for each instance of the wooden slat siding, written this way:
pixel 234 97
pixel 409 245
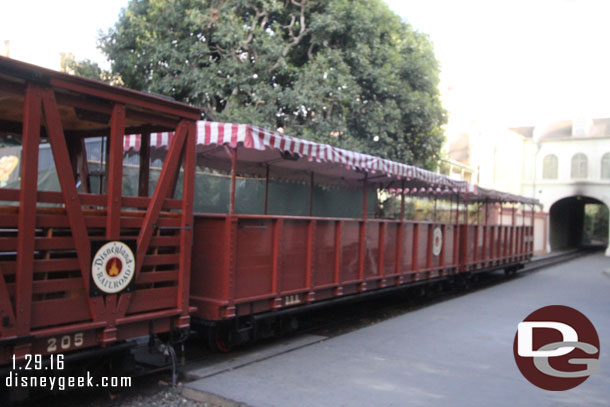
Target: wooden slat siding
pixel 62 265
pixel 65 243
pixel 51 265
pixel 8 244
pixel 6 309
pixel 144 203
pixel 160 259
pixel 27 209
pixel 152 299
pixel 158 276
pixel 72 201
pixel 186 233
pixel 65 310
pixel 58 285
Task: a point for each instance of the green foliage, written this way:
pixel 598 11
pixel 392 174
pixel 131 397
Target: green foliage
pixel 596 223
pixel 343 72
pixel 87 69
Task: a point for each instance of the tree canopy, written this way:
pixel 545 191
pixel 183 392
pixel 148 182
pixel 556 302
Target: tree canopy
pixel 344 72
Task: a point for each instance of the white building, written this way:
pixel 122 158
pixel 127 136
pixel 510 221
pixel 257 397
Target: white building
pixel 564 164
pixel 572 168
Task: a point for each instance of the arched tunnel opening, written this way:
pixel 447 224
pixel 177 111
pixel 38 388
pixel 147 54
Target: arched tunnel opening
pixel 578 221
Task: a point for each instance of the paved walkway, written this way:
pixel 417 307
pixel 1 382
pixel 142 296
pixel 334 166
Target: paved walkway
pixel 454 353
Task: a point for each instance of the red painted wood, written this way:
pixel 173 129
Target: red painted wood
pixel 362 252
pixel 400 237
pixel 415 248
pixel 6 309
pixel 265 204
pixel 429 240
pixel 151 300
pixel 276 249
pixel 115 173
pixel 233 177
pixel 186 233
pixel 338 256
pixel 311 233
pixel 323 265
pixel 158 276
pixel 161 191
pixel 65 311
pixel 71 198
pixel 128 97
pixel 58 285
pixel 441 255
pixel 27 209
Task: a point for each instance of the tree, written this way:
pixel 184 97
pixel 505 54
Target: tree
pixel 343 72
pixel 87 69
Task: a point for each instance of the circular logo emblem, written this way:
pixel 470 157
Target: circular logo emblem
pixel 437 241
pixel 556 348
pixel 113 267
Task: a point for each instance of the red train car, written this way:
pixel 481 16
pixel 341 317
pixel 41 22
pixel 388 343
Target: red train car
pixel 99 242
pixel 291 252
pixel 83 264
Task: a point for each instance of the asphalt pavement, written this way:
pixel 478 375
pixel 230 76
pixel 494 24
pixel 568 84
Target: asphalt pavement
pixel 458 352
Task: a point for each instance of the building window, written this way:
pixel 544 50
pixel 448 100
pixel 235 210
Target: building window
pixel 549 167
pixel 579 166
pixel 606 166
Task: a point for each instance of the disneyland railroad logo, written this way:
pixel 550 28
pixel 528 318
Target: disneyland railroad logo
pixel 112 267
pixel 556 348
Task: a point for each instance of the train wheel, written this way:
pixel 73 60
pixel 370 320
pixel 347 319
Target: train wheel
pixel 220 339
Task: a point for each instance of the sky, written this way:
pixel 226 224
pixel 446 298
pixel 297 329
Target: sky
pixel 507 63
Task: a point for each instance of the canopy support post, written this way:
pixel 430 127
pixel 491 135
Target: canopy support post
pixel 402 200
pixel 144 174
pixel 233 175
pixel 311 190
pixel 364 200
pixel 265 207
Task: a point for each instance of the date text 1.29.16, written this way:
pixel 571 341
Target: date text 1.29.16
pixel 38 362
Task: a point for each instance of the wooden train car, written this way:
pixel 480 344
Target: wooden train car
pixel 136 217
pixel 291 251
pixel 82 264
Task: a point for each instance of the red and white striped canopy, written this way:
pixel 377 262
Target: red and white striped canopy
pixel 258 147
